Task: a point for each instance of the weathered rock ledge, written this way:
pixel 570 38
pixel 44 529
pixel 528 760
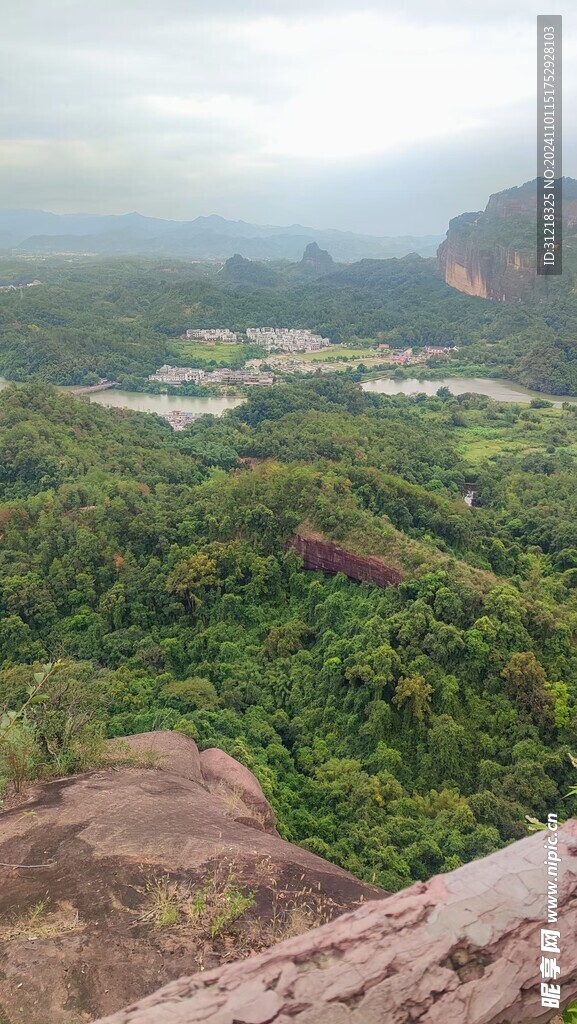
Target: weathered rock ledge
pixel 319 553
pixel 463 948
pixel 81 859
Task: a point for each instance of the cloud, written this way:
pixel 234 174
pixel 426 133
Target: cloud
pixel 249 110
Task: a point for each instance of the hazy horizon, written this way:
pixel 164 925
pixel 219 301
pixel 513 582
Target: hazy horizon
pixel 239 220
pixel 324 114
pixel 203 216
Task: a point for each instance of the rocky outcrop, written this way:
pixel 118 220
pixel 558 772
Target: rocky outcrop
pixel 83 861
pixel 316 261
pixel 169 752
pixel 462 265
pixel 493 271
pixel 493 253
pixel 223 774
pixel 463 948
pixel 330 558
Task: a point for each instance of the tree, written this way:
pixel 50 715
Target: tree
pixel 190 694
pixel 527 685
pixel 414 694
pixel 190 578
pixel 19 749
pixel 447 744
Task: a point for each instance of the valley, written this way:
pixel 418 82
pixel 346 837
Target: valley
pixel 330 626
pixel 122 318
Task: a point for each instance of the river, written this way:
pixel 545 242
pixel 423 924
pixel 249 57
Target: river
pixel 500 390
pixel 215 404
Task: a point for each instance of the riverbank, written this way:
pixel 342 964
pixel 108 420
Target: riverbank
pixel 499 389
pixel 92 389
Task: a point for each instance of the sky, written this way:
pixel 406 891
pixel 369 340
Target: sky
pixel 374 117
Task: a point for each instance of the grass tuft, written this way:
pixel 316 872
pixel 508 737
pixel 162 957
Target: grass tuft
pixel 44 920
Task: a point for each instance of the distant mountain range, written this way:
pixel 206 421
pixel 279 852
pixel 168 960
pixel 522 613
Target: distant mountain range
pixel 38 232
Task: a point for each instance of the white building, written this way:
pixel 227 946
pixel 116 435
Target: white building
pixel 227 376
pixel 177 374
pixel 287 339
pixel 212 334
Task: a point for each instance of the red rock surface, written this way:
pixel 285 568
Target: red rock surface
pixel 330 558
pixel 98 840
pixel 220 770
pixel 172 752
pixel 498 270
pixel 463 948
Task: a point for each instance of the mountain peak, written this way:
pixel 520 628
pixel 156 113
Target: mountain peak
pixel 240 271
pixel 316 260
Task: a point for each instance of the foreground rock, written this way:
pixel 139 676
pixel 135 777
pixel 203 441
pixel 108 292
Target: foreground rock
pixel 222 773
pixel 96 868
pixel 463 948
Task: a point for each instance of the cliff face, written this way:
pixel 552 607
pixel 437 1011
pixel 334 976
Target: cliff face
pixel 456 259
pixel 492 253
pixel 328 557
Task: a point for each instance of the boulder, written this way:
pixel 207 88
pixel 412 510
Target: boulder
pixel 170 751
pixel 83 859
pixel 221 773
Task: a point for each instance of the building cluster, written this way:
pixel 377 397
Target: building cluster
pixel 292 365
pixel 179 420
pixel 212 335
pixel 177 375
pixel 191 374
pixel 286 339
pixel 226 376
pixel 437 350
pixel 403 357
pixel 407 355
pixel 7 286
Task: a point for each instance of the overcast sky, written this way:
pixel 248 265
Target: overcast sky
pixel 377 117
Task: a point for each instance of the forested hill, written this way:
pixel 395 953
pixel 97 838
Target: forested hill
pixel 398 731
pixel 121 319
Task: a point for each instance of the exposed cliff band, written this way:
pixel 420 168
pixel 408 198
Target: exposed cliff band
pixel 330 558
pixel 492 253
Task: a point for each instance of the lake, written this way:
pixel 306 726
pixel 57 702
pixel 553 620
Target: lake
pixel 215 404
pixel 161 404
pixel 499 390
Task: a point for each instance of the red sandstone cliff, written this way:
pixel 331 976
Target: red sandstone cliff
pixel 330 558
pixel 493 253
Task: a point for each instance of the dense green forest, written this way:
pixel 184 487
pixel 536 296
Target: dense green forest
pixel 399 732
pixel 120 319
